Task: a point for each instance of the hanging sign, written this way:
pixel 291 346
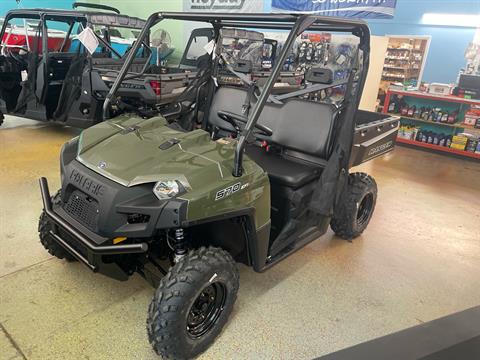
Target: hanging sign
pixel 366 9
pixel 237 6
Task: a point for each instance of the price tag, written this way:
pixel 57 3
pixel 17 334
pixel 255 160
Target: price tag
pixel 89 40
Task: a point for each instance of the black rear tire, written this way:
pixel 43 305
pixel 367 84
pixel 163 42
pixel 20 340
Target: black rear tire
pixel 356 206
pixel 192 303
pixel 44 227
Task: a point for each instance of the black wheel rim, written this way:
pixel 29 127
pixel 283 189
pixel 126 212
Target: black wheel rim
pixel 365 209
pixel 206 309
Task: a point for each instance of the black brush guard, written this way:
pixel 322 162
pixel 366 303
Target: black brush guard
pixel 93 258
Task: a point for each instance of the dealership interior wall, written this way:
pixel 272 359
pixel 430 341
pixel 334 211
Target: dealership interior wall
pixel 418 260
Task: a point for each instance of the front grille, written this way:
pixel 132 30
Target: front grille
pixel 83 208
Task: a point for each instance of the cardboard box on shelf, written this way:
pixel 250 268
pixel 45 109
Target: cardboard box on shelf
pixel 472 117
pixel 440 89
pixel 459 142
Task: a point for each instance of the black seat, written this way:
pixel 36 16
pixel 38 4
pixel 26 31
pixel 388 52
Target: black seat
pixel 300 125
pixel 302 130
pixel 284 171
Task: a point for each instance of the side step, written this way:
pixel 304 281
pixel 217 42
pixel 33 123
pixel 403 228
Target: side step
pixel 307 237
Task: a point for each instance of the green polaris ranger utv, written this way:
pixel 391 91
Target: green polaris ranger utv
pixel 228 175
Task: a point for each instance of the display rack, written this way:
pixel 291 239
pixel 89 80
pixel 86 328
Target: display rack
pixel 404 59
pixel 439 148
pixel 445 128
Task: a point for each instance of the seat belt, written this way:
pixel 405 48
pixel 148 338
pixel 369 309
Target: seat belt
pixel 248 99
pixel 309 89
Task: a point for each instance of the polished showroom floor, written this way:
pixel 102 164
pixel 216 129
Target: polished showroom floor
pixel 418 260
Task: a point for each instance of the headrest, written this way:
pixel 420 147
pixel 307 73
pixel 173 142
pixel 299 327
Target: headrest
pixel 319 75
pixel 243 66
pixel 241 34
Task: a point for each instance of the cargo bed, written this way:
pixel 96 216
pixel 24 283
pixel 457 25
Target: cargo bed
pixel 375 135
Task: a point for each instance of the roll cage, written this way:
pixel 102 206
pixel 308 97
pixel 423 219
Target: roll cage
pixel 86 18
pixel 296 24
pixel 92 17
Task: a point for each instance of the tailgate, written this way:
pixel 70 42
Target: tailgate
pixel 375 135
pixel 167 86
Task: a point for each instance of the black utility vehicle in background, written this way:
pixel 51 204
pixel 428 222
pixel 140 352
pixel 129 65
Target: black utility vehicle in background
pixel 46 72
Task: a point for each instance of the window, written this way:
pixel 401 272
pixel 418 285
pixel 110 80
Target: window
pixel 197 47
pixel 20 35
pixel 57 32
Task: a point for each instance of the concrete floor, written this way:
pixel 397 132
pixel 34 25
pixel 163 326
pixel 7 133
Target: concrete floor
pixel 418 260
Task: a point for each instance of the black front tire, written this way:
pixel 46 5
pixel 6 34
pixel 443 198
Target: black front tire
pixel 44 227
pixel 205 280
pixel 356 206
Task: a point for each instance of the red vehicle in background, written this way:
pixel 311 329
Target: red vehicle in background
pixel 25 36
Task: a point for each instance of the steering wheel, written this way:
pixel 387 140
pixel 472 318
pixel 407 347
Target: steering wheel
pixel 18 47
pixel 232 119
pixel 6 50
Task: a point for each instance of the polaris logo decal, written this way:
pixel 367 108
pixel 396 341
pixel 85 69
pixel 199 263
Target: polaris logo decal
pixel 380 148
pixel 221 194
pixel 86 184
pixel 216 4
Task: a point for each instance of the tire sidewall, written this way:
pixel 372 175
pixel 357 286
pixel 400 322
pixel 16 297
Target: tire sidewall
pixel 356 226
pixel 345 222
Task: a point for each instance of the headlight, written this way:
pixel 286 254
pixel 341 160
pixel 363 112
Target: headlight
pixel 168 189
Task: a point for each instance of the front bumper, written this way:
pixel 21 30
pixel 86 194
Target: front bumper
pixel 81 247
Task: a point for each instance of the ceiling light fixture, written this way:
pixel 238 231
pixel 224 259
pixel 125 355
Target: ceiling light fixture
pixel 461 20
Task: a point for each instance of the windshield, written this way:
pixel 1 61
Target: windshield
pixel 185 47
pixel 242 54
pixel 119 38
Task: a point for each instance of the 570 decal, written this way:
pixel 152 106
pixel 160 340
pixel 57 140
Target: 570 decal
pixel 221 194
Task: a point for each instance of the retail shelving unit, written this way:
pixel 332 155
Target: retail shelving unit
pixel 438 101
pixel 438 148
pixel 405 59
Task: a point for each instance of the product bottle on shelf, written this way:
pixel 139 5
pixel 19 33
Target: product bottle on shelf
pixel 414 133
pixel 441 140
pixel 444 117
pixel 426 114
pixel 448 141
pixel 430 137
pixel 411 111
pixel 424 136
pixel 431 115
pixel 419 135
pixel 417 112
pixel 392 106
pixel 452 117
pixel 471 145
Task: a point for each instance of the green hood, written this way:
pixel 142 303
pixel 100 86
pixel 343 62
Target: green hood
pixel 128 150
